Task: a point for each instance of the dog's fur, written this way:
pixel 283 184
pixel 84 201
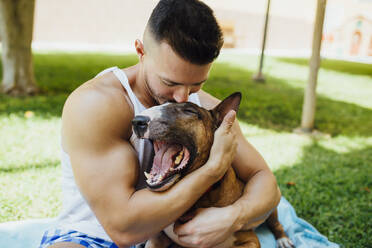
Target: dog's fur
pixel 188 128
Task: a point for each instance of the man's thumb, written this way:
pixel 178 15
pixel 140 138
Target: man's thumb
pixel 228 120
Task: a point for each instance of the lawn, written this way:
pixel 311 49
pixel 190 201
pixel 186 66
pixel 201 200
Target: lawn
pixel 327 179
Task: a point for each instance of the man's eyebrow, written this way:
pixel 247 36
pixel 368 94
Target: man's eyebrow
pixel 172 82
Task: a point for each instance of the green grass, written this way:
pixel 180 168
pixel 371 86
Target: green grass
pixel 64 72
pixel 330 177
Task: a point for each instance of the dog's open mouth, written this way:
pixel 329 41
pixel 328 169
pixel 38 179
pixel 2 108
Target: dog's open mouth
pixel 168 162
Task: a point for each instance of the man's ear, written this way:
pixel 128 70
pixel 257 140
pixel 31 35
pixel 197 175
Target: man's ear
pixel 232 102
pixel 139 49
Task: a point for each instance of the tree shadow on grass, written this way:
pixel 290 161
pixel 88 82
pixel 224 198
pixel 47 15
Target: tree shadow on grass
pixel 16 168
pixel 57 75
pixel 276 105
pixel 64 72
pixel 332 191
pixel 44 106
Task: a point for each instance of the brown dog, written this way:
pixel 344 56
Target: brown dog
pixel 182 136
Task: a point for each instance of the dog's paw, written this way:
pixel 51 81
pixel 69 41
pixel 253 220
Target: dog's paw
pixel 284 243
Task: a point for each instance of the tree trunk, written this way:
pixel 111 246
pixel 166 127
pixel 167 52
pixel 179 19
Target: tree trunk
pixel 16 28
pixel 259 77
pixel 308 110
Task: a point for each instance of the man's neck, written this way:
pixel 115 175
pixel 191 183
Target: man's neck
pixel 138 85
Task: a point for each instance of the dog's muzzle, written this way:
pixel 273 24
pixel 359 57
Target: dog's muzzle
pixel 140 125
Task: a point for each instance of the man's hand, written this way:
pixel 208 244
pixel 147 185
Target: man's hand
pixel 210 227
pixel 224 147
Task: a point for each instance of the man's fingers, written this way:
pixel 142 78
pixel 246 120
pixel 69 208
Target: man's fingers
pixel 179 229
pixel 192 241
pixel 228 120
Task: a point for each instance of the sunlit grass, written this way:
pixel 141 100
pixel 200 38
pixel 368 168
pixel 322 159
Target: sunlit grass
pixel 32 192
pixel 29 162
pixel 338 80
pixel 271 145
pixel 32 141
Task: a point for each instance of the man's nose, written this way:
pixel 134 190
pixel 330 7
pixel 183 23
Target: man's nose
pixel 181 94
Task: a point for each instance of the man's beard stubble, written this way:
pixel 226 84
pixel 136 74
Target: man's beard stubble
pixel 157 99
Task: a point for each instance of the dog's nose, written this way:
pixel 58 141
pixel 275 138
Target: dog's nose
pixel 140 123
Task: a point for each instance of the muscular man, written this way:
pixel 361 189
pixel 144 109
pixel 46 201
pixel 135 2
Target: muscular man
pixel 105 204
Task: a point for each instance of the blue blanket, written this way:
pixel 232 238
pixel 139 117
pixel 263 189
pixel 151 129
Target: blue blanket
pixel 28 233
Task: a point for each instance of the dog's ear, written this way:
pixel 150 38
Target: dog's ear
pixel 232 102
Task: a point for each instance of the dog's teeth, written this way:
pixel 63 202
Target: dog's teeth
pixel 178 159
pixel 147 175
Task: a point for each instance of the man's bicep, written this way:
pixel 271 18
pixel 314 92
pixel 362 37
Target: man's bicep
pixel 104 163
pixel 106 179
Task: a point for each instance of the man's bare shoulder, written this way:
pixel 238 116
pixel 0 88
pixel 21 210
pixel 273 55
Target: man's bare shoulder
pixel 96 112
pixel 207 100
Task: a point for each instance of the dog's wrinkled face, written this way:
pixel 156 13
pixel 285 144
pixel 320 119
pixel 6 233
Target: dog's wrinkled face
pixel 182 135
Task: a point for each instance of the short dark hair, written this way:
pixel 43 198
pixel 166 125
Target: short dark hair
pixel 189 27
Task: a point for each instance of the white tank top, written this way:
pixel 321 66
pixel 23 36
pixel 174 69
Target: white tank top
pixel 76 213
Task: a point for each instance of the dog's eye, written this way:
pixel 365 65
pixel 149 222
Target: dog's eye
pixel 191 112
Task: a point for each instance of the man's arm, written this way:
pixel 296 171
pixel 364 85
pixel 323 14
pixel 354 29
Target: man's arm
pixel 261 195
pixel 96 129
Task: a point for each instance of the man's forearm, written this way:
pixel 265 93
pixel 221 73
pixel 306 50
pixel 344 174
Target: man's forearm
pixel 150 212
pixel 261 195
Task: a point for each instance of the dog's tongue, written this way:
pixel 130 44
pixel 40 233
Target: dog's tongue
pixel 163 157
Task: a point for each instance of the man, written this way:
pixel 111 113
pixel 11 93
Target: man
pixel 103 201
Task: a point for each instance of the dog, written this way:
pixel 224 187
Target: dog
pixel 182 136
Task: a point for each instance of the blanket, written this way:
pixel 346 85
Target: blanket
pixel 28 233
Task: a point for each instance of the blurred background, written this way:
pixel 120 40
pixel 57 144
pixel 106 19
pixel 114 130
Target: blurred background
pixel 85 25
